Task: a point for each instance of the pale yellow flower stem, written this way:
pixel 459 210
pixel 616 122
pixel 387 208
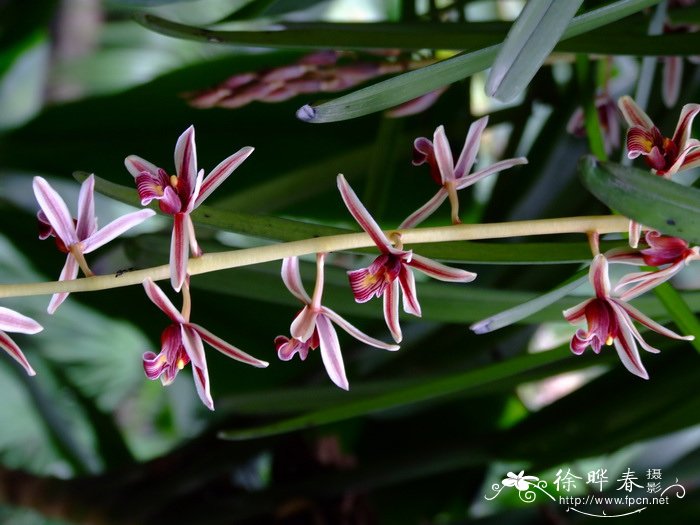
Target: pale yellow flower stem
pixel 211 262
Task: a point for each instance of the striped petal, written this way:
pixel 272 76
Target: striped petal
pixel 633 114
pixel 87 224
pixel 362 216
pixel 443 155
pixel 672 75
pixel 470 148
pixel 292 279
pixel 115 228
pixel 649 323
pixel 152 187
pixel 11 321
pixel 195 350
pixel 221 172
pixel 227 349
pixel 408 292
pixel 158 297
pixel 356 332
pixel 439 271
pixel 391 311
pixel 681 162
pixel 179 246
pixel 685 121
pixel 330 352
pixel 626 346
pixel 55 210
pixel 286 348
pixel 598 276
pixel 639 142
pixel 7 344
pixel 424 211
pixel 638 283
pixel 136 166
pixel 494 168
pixel 186 163
pixel 194 245
pixel 68 273
pixel 577 313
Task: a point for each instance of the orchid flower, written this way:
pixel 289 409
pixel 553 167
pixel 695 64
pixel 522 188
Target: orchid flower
pixel 451 177
pixel 11 321
pixel 392 269
pixel 77 237
pixel 607 117
pixel 313 326
pixel 610 322
pixel 180 194
pixel 672 253
pixel 181 342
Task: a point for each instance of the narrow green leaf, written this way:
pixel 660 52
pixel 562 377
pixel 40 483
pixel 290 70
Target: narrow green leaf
pixel 534 34
pixel 651 200
pixel 408 86
pixel 587 90
pixel 679 311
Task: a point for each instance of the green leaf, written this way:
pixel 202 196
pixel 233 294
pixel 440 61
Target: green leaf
pixel 651 200
pixel 679 311
pixel 532 37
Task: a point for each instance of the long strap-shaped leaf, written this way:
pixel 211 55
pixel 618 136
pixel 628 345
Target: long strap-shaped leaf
pixel 532 37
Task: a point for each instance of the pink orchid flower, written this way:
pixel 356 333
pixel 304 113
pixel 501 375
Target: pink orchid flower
pixel 672 253
pixel 181 342
pixel 178 195
pixel 313 326
pixel 665 156
pixel 392 269
pixel 11 321
pixel 610 323
pixel 450 176
pixel 77 237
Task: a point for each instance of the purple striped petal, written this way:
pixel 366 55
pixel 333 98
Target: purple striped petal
pixel 221 172
pixel 408 292
pixel 192 200
pixel 680 162
pixel 470 148
pixel 439 271
pixel 638 283
pixel 626 346
pixel 87 223
pixel 303 326
pixel 158 297
pixel 179 246
pixel 68 273
pixel 356 332
pixel 672 74
pixel 152 186
pixel 330 352
pixel 685 121
pixel 639 142
pixel 362 216
pixel 598 276
pixel 443 155
pixel 195 350
pixel 391 311
pixel 55 210
pixel 186 163
pixel 633 114
pixel 577 313
pixel 424 211
pixel 649 323
pixel 11 321
pixel 292 279
pixel 136 166
pixel 7 344
pixel 494 168
pixel 153 365
pixel 115 228
pixel 227 349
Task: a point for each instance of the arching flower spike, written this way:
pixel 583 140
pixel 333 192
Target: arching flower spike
pixel 610 323
pixel 450 176
pixel 313 326
pixel 180 194
pixel 11 321
pixel 392 269
pixel 77 237
pixel 181 342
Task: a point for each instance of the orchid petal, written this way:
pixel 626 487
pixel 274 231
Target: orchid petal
pixel 691 145
pixel 87 223
pixel 227 349
pixel 356 332
pixel 194 246
pixel 136 166
pixel 692 159
pixel 152 186
pixel 292 279
pixel 685 121
pixel 179 249
pixel 186 162
pixel 494 168
pixel 577 313
pixel 362 216
pixel 649 323
pixel 221 172
pixel 170 201
pixel 158 297
pixel 471 147
pixel 627 347
pixel 7 344
pixel 672 75
pixel 439 271
pixel 645 281
pixel 303 326
pixel 391 310
pixel 408 291
pixel 55 210
pixel 115 228
pixel 635 231
pixel 443 155
pixel 633 114
pixel 68 273
pixel 423 151
pixel 194 348
pixel 639 142
pixel 330 352
pixel 153 365
pixel 424 211
pixel 638 337
pixel 598 276
pixel 11 321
